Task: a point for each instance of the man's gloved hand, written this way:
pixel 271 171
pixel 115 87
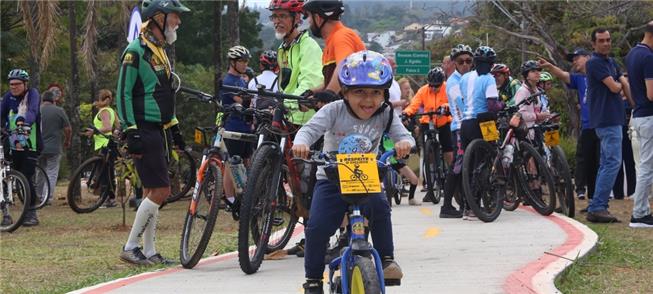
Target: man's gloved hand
pixel 134 142
pixel 326 96
pixel 177 137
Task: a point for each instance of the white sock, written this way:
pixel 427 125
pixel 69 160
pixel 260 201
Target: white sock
pixel 146 214
pixel 149 236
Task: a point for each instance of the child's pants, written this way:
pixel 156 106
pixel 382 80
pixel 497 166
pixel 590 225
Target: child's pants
pixel 327 212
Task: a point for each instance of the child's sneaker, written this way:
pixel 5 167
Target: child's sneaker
pixel 392 273
pixel 313 287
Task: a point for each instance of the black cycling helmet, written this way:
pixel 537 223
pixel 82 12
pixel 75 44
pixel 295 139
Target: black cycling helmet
pixel 485 54
pixel 529 65
pixel 329 9
pixel 150 7
pixel 18 74
pixel 460 49
pixel 435 77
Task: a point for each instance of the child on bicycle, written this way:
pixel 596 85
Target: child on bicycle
pixel 365 77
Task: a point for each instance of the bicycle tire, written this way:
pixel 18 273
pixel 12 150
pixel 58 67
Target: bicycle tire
pixel 432 155
pixel 544 205
pixel 285 209
pixel 182 175
pixel 511 199
pixel 389 185
pixel 400 189
pixel 88 199
pixel 11 204
pixel 45 187
pixel 482 196
pixel 363 277
pixel 564 187
pixel 256 210
pixel 207 198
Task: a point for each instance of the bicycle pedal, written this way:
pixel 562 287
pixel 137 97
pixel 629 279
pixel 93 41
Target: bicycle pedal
pixel 392 282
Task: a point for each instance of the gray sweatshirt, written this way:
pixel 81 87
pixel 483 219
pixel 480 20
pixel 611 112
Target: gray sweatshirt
pixel 335 122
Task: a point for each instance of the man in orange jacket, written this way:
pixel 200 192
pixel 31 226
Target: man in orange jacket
pixel 430 97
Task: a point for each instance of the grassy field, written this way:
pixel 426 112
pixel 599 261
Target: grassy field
pixel 622 261
pixel 69 251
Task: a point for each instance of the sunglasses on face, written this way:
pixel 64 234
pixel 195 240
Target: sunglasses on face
pixel 464 61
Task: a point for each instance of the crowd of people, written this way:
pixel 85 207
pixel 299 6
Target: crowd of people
pixel 355 93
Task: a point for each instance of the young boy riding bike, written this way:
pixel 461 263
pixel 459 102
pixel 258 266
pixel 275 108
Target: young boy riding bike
pixel 365 78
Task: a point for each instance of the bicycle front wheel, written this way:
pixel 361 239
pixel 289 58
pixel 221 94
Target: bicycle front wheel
pixel 536 180
pixel 257 208
pixel 42 186
pixel 201 216
pixel 362 277
pixel 284 219
pixel 479 175
pixel 431 164
pixel 16 200
pixel 182 175
pixel 89 186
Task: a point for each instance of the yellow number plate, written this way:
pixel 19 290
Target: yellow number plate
pixel 198 136
pixel 358 173
pixel 489 131
pixel 552 138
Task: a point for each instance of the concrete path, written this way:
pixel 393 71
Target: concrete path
pixel 521 252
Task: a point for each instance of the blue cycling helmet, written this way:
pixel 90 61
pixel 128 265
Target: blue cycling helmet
pixel 355 143
pixel 485 54
pixel 365 69
pixel 18 74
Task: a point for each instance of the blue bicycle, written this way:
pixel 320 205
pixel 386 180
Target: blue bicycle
pixel 358 269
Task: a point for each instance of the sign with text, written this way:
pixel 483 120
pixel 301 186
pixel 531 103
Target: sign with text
pixel 413 62
pixel 358 173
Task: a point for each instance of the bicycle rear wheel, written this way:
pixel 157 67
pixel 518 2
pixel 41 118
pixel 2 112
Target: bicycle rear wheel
pixel 201 216
pixel 511 199
pixel 182 175
pixel 16 200
pixel 89 186
pixel 536 180
pixel 258 207
pixel 562 177
pixel 479 175
pixel 42 186
pixel 284 218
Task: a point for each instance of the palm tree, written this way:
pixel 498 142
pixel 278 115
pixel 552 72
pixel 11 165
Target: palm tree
pixel 89 45
pixel 40 19
pixel 72 105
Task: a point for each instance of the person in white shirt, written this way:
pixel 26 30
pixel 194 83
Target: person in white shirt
pixel 268 77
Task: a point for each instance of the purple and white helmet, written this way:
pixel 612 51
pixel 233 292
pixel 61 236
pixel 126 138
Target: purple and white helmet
pixel 365 69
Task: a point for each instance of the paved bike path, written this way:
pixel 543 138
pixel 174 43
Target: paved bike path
pixel 518 253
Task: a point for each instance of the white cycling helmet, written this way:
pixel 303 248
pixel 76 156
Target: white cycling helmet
pixel 238 52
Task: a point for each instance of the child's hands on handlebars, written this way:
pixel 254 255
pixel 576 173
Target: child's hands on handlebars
pixel 301 150
pixel 402 148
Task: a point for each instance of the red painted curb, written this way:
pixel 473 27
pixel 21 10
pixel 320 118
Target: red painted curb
pixel 521 281
pixel 110 286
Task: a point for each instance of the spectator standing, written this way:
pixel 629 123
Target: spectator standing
pixel 58 92
pixel 55 130
pixel 640 71
pixel 627 167
pixel 587 146
pixel 604 85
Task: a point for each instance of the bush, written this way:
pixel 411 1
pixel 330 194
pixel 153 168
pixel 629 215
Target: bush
pixel 568 145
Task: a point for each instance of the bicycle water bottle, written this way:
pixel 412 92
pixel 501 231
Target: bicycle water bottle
pixel 239 173
pixel 507 156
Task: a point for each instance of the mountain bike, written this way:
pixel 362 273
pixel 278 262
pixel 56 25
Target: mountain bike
pixel 547 140
pixel 276 187
pixel 43 187
pixel 14 188
pixel 503 164
pixel 359 264
pixel 101 176
pixel 433 163
pixel 181 171
pixel 208 191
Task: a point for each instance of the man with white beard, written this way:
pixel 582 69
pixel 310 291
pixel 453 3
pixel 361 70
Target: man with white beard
pixel 300 63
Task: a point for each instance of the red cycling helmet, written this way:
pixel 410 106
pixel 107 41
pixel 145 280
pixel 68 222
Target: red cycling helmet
pixel 290 5
pixel 500 68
